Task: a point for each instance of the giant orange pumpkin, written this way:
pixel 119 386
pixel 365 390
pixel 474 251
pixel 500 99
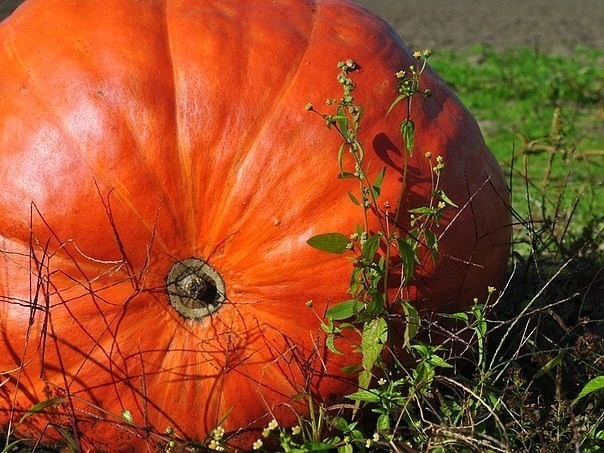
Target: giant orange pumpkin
pixel 160 178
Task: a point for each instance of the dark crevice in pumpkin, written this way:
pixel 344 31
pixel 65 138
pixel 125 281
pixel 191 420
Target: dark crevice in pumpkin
pixel 195 289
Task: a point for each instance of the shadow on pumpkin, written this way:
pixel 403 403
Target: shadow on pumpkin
pixel 473 239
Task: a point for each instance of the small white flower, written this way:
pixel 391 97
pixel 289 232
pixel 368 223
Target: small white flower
pixel 257 445
pixel 214 445
pixel 218 433
pixel 273 424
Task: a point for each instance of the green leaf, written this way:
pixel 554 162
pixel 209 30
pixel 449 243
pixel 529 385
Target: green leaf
pixel 37 408
pixel 411 322
pixel 480 328
pixel 398 99
pixel 330 342
pixel 423 374
pixel 435 360
pixel 341 424
pixel 461 316
pixel 376 306
pixel 355 434
pixel 423 211
pixel 423 349
pixel 408 134
pixel 431 244
pixel 341 159
pixel 377 184
pixel 354 199
pixel 342 121
pixel 370 246
pixel 406 253
pixel 316 446
pixel 547 368
pixel 383 423
pixel 594 385
pixel 330 242
pixel 364 395
pixel 443 196
pixel 481 322
pixel 351 369
pixel 374 336
pixel 344 310
pixel 427 352
pixel 346 175
pixel 347 448
pixel 364 379
pixel 331 330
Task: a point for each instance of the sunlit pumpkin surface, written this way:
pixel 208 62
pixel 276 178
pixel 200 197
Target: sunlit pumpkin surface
pixel 138 134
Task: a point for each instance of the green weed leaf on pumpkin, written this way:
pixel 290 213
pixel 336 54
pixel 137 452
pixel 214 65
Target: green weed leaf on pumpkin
pixel 344 310
pixel 377 184
pixel 41 406
pixel 408 258
pixel 370 246
pixel 329 242
pixel 373 339
pixel 408 134
pixel 411 322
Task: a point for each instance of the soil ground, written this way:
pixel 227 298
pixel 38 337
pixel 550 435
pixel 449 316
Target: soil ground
pixel 552 26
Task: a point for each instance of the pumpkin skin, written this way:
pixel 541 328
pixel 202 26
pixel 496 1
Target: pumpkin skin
pixel 138 134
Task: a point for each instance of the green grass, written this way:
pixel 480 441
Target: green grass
pixel 519 89
pixel 514 96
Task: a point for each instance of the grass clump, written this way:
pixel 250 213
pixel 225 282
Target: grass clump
pixel 537 111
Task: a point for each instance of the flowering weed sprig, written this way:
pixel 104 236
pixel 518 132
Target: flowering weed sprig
pixel 407 87
pixel 368 310
pixel 216 442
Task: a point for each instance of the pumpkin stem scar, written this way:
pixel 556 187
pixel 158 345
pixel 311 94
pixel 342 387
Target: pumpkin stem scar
pixel 195 289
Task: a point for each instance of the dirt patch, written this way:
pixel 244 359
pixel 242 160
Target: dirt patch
pixel 553 26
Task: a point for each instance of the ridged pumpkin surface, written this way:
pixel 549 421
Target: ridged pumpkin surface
pixel 137 134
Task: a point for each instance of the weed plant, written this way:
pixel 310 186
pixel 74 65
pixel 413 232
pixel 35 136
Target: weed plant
pixel 534 378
